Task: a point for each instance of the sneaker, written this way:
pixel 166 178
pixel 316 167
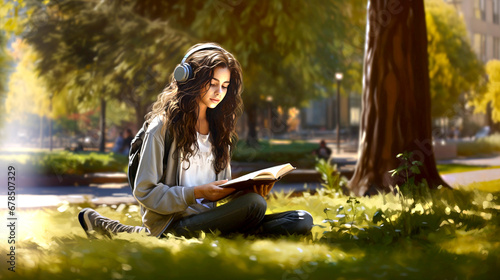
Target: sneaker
pixel 93 223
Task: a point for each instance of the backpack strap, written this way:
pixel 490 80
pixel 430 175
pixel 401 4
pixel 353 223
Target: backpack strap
pixel 135 155
pixel 168 143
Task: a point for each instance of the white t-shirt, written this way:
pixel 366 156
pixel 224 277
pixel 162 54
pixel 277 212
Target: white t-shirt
pixel 199 170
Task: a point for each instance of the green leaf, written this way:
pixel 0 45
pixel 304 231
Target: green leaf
pixel 378 216
pixel 415 170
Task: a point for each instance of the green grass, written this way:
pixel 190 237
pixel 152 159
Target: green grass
pixel 458 168
pixel 490 186
pixel 454 235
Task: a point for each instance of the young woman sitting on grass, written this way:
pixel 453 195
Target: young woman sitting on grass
pixel 200 110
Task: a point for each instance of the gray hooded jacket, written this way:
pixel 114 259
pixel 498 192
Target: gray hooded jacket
pixel 161 198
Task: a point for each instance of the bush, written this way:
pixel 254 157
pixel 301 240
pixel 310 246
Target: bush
pixel 70 163
pixel 298 153
pixel 483 146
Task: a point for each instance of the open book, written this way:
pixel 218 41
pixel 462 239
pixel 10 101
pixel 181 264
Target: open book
pixel 263 176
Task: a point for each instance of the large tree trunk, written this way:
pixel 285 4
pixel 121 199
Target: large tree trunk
pixel 396 114
pixel 494 127
pixel 140 112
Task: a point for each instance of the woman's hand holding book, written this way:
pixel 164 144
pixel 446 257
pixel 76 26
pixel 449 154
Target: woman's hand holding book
pixel 212 191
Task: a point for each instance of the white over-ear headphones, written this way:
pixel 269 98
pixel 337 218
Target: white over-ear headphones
pixel 184 72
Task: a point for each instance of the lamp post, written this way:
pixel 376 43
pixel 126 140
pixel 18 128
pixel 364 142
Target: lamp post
pixel 338 77
pixel 269 100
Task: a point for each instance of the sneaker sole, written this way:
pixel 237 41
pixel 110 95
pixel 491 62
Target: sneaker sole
pixel 84 222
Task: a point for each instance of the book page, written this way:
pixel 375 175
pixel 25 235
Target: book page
pixel 271 173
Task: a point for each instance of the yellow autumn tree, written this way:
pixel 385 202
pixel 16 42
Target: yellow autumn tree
pixel 453 66
pixel 492 93
pixel 27 92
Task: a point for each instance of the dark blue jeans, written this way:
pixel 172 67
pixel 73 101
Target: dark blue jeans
pixel 246 215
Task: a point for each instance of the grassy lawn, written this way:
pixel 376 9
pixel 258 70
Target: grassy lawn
pixel 451 235
pixel 458 168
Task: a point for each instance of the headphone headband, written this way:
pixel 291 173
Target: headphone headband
pixel 199 48
pixel 183 72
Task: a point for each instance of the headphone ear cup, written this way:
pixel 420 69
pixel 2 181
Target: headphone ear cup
pixel 183 72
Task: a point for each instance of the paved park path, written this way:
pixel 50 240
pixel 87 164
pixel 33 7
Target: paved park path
pixel 453 179
pixel 466 178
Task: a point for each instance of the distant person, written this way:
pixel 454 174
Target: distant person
pixel 456 133
pixel 118 144
pixel 323 152
pixel 123 142
pixel 127 141
pixel 483 132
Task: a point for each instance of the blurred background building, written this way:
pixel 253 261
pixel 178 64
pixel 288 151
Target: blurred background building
pixel 482 19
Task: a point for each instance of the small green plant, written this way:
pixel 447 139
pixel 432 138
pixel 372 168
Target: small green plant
pixel 410 190
pixel 346 217
pixel 407 170
pixel 329 175
pixel 353 202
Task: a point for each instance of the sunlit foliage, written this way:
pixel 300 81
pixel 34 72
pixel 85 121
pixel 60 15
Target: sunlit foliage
pixel 492 94
pixel 453 65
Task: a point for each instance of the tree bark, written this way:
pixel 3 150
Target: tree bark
pixel 396 105
pixel 140 112
pixel 140 104
pixel 494 127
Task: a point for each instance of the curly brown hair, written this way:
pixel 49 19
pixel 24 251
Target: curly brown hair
pixel 177 105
